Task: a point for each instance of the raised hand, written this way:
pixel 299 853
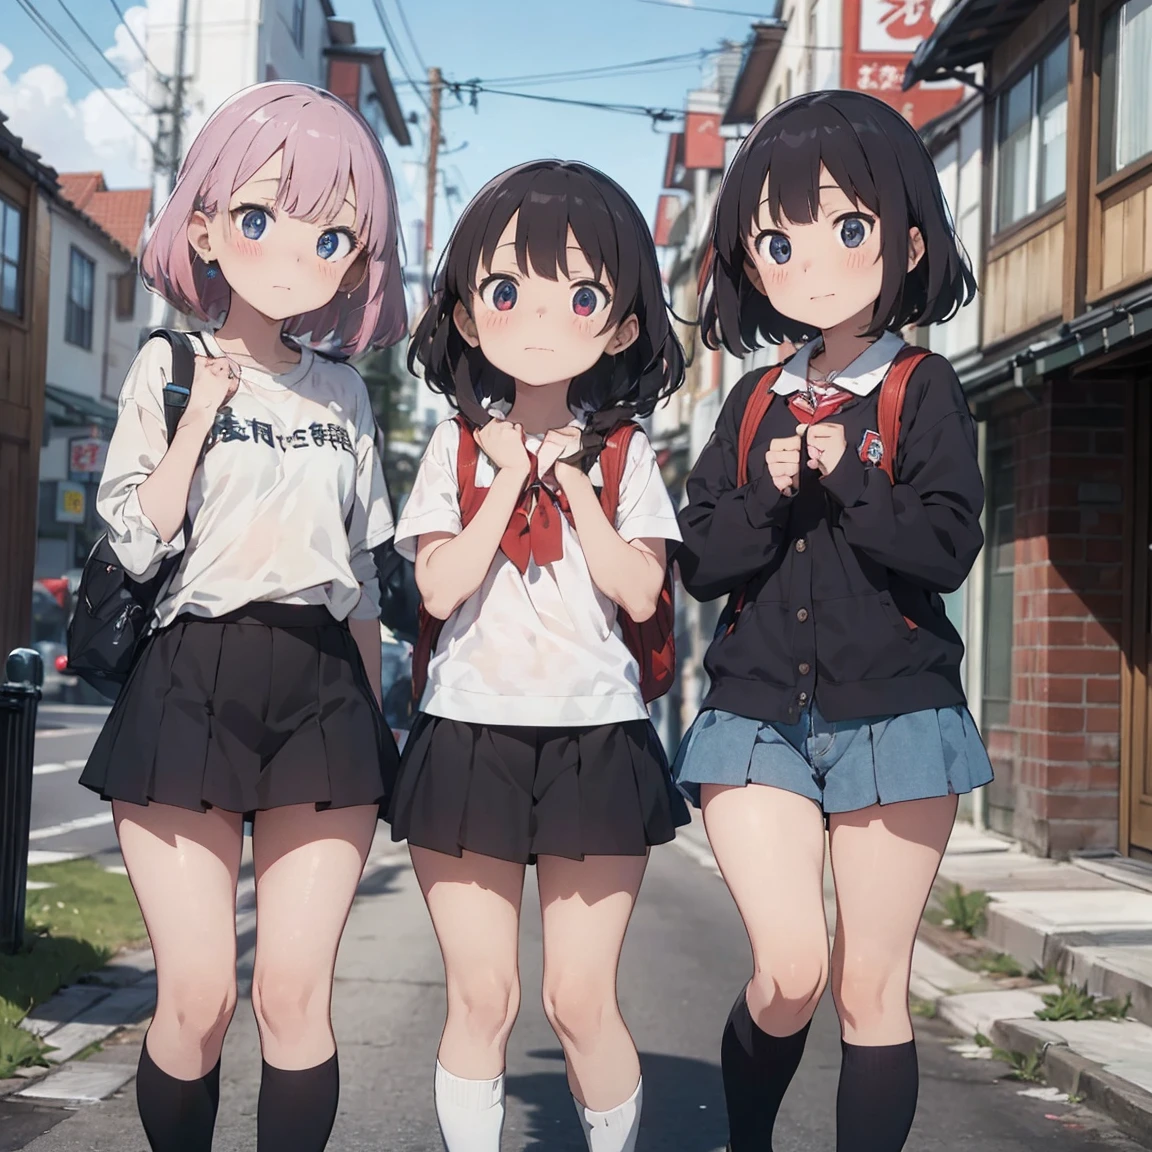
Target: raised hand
pixel 503 443
pixel 783 460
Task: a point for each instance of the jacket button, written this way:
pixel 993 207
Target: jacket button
pixel 805 669
pixel 801 545
pixel 802 615
pixel 803 697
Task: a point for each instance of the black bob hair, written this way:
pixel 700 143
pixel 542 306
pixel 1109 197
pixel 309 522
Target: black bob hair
pixel 878 160
pixel 552 196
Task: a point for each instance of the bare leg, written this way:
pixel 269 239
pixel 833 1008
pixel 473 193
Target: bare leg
pixel 183 866
pixel 308 864
pixel 474 902
pixel 769 844
pixel 884 859
pixel 585 907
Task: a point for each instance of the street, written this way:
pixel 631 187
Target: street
pixel 685 957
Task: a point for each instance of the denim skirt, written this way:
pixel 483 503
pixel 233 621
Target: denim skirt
pixel 842 765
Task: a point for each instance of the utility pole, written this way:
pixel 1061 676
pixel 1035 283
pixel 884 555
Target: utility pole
pixel 175 140
pixel 433 160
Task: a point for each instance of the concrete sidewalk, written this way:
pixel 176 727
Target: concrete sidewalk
pixel 1086 923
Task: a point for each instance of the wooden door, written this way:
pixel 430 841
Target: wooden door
pixel 1136 722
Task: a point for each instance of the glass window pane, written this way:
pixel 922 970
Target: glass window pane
pixel 1053 124
pixel 10 288
pixel 1015 139
pixel 1134 111
pixel 11 238
pixel 999 589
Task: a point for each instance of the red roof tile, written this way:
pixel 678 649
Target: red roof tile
pixel 122 213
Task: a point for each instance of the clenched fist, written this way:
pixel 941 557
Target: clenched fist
pixel 214 382
pixel 826 446
pixel 503 443
pixel 783 460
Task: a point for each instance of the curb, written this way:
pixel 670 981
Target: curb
pixel 1119 1099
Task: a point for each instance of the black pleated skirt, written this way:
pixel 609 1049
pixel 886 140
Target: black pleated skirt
pixel 516 793
pixel 265 707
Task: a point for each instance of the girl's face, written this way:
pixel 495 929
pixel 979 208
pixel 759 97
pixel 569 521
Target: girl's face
pixel 280 266
pixel 541 331
pixel 825 272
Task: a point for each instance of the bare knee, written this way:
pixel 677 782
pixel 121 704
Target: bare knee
pixel 577 1008
pixel 290 1007
pixel 197 1006
pixel 783 994
pixel 484 1003
pixel 871 996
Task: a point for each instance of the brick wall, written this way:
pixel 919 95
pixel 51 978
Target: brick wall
pixel 1065 712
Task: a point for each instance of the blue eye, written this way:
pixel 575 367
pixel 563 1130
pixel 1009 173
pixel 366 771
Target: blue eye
pixel 253 223
pixel 586 301
pixel 780 248
pixel 853 232
pixel 333 244
pixel 500 295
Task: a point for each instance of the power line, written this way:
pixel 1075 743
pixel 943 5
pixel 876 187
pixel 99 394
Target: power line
pixel 100 52
pixel 654 114
pixel 578 73
pixel 132 36
pixel 411 38
pixel 386 24
pixel 70 54
pixel 696 8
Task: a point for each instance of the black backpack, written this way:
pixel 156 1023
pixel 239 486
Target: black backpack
pixel 113 611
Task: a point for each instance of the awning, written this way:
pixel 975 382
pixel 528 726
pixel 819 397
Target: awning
pixel 373 59
pixel 67 407
pixel 1111 327
pixel 758 60
pixel 966 35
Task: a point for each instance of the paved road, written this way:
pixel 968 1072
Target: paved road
pixel 66 817
pixel 685 958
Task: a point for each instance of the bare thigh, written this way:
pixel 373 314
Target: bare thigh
pixel 474 902
pixel 585 906
pixel 183 867
pixel 884 859
pixel 769 844
pixel 308 864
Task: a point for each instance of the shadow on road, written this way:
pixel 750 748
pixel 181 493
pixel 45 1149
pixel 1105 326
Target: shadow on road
pixel 683 1106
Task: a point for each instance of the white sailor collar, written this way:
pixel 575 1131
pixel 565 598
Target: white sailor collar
pixel 862 377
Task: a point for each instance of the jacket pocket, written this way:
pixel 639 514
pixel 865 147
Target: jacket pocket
pixel 758 648
pixel 864 638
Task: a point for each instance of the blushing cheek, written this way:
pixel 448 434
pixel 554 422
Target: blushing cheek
pixel 777 278
pixel 332 270
pixel 249 249
pixel 587 327
pixel 491 321
pixel 859 258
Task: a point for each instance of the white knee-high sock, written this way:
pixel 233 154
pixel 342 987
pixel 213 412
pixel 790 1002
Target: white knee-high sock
pixel 615 1130
pixel 471 1112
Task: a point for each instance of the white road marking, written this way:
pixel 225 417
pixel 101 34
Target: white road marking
pixel 63 766
pixel 83 730
pixel 71 826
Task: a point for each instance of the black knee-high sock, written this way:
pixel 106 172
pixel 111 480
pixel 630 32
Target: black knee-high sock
pixel 297 1109
pixel 178 1115
pixel 757 1070
pixel 876 1101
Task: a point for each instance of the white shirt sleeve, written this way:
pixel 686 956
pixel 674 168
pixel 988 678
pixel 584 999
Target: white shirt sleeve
pixel 138 444
pixel 434 504
pixel 645 510
pixel 371 523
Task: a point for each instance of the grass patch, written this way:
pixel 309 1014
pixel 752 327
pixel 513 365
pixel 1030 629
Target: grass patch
pixel 73 928
pixel 998 964
pixel 1028 1066
pixel 965 911
pixel 1075 1002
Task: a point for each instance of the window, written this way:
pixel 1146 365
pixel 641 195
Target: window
pixel 298 23
pixel 1031 139
pixel 1000 583
pixel 11 265
pixel 126 295
pixel 1126 87
pixel 78 317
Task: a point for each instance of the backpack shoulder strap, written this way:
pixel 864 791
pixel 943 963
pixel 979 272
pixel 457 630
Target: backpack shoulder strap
pixel 179 388
pixel 759 401
pixel 613 459
pixel 890 406
pixel 467 457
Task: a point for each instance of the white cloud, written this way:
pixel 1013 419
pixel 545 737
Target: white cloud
pixel 86 134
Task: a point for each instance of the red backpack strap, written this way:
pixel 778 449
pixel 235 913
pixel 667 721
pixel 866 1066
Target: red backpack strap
pixel 754 411
pixel 890 406
pixel 613 459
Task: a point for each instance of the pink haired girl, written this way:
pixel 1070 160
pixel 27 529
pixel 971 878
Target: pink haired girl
pixel 258 690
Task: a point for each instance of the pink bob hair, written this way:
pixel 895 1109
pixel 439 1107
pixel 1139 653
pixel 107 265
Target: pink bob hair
pixel 326 146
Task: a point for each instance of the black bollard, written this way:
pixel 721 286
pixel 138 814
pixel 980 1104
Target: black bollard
pixel 19 698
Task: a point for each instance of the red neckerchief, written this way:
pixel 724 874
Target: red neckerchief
pixel 534 530
pixel 829 401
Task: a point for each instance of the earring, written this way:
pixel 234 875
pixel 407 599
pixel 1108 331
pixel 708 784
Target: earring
pixel 211 269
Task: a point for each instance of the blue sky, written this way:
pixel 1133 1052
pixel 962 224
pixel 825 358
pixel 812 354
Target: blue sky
pixel 54 107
